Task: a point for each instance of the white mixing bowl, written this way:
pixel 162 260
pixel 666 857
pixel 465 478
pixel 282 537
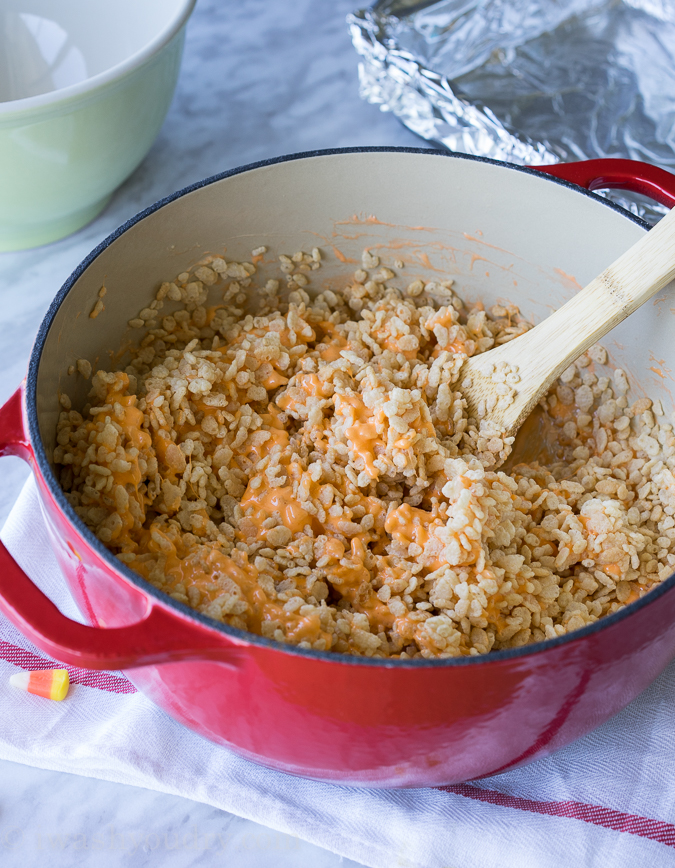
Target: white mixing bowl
pixel 84 88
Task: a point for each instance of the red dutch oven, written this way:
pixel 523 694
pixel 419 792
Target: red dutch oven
pixel 504 233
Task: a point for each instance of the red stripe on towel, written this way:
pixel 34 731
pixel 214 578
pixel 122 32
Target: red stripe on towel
pixel 618 821
pixel 91 678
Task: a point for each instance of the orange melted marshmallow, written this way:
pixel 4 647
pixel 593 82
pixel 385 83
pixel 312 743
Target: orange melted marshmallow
pixel 347 576
pixel 124 471
pixel 333 342
pixel 408 525
pixel 302 387
pixel 351 579
pixel 446 318
pixel 273 380
pixel 361 430
pixel 133 432
pixel 209 571
pixel 277 502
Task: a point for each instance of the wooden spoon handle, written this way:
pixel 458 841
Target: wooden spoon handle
pixel 543 353
pixel 605 302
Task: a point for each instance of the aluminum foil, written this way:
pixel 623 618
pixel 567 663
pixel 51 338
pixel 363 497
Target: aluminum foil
pixel 527 81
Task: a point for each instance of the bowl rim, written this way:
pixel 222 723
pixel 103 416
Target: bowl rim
pixel 29 104
pixel 244 637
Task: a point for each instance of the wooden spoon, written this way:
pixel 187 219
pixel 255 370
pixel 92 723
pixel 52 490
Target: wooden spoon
pixel 527 365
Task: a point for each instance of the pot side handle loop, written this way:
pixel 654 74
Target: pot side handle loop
pixel 163 636
pixel 617 174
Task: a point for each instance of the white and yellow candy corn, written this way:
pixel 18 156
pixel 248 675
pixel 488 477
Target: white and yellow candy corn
pixel 50 683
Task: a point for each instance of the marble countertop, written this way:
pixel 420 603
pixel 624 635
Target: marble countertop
pixel 259 79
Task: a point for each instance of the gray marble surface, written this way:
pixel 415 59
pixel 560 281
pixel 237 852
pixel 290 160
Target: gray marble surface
pixel 67 821
pixel 259 79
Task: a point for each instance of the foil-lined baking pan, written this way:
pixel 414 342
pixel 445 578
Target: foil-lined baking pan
pixel 527 81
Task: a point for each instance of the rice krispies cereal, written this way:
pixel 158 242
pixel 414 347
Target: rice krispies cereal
pixel 310 474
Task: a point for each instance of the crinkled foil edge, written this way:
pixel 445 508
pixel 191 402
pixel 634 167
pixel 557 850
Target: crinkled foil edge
pixel 427 104
pixel 431 107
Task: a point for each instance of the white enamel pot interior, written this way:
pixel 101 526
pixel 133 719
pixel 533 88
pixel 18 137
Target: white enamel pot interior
pixel 503 234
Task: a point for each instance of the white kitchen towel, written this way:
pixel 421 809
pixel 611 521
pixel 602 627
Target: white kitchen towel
pixel 607 800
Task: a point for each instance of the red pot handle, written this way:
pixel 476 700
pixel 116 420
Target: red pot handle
pixel 615 174
pixel 163 636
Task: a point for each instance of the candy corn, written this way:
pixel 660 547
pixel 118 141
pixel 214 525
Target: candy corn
pixel 50 683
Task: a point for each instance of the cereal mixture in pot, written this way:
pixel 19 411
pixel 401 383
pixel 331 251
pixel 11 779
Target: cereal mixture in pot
pixel 310 474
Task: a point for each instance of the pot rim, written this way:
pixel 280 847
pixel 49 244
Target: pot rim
pixel 243 636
